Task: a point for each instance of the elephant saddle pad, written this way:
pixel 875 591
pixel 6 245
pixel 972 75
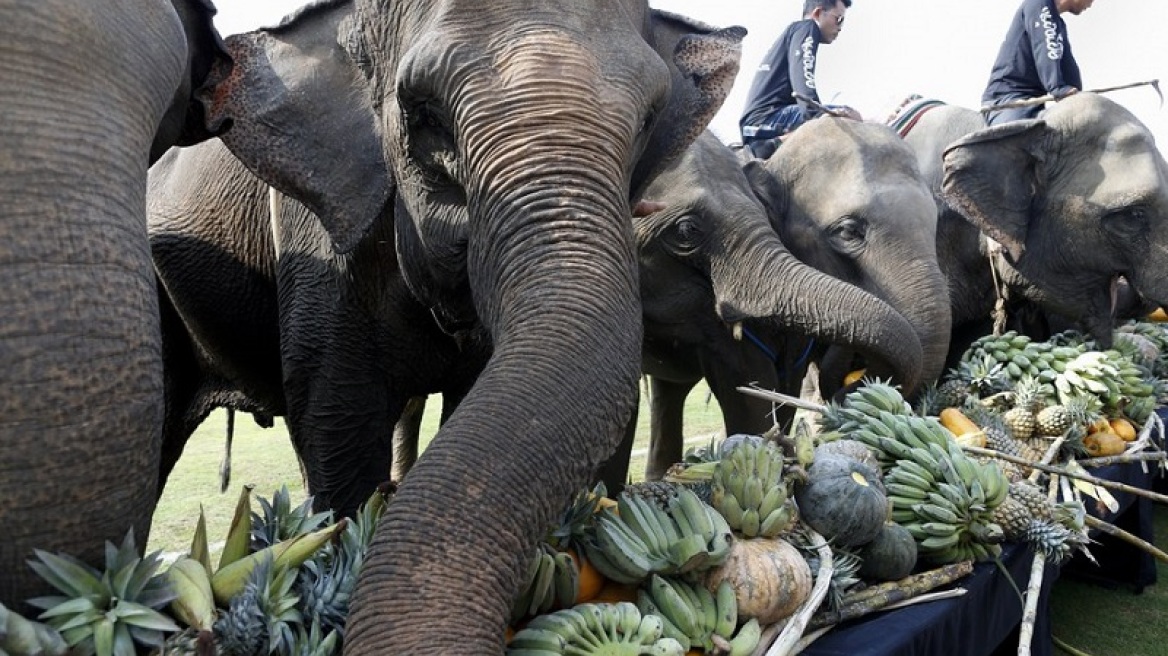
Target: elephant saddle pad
pixel 910 111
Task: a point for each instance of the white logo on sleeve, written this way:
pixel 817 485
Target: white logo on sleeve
pixel 807 51
pixel 1054 40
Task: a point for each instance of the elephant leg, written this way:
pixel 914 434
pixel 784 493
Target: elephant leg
pixel 406 433
pixel 181 380
pixel 666 425
pixel 614 471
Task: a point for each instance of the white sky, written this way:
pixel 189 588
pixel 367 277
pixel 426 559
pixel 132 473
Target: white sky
pixel 890 48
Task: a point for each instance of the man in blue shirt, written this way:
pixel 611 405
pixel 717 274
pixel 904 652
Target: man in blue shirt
pixel 1035 59
pixel 789 68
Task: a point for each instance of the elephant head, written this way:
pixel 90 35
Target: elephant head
pixel 90 91
pixel 711 260
pixel 1077 199
pixel 509 138
pixel 848 199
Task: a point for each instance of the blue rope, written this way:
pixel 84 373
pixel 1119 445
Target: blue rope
pixel 774 357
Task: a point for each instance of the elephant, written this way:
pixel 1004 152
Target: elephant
pixel 1076 199
pixel 873 228
pixel 509 140
pixel 260 314
pixel 90 93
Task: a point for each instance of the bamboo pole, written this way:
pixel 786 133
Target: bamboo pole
pixel 1115 531
pixel 1034 587
pixel 898 591
pixel 1050 469
pixel 1124 459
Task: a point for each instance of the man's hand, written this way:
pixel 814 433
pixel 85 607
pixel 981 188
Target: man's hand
pixel 847 112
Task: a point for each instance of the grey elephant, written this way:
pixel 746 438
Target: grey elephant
pixel 89 92
pixel 1076 199
pixel 527 129
pixel 846 198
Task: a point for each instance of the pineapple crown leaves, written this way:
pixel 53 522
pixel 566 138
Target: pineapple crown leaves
pixel 314 641
pixel 280 521
pixel 265 612
pixel 577 519
pixel 106 612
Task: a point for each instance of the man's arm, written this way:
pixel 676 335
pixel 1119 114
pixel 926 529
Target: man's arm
pixel 1048 42
pixel 802 67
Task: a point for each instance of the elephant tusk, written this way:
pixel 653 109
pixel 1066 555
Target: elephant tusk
pixel 736 330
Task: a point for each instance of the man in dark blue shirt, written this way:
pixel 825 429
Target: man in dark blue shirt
pixel 789 68
pixel 1035 59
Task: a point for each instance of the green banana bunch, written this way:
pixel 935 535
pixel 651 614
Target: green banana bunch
pixel 1019 356
pixel 641 538
pixel 553 580
pixel 695 617
pixel 194 602
pixel 748 489
pixel 19 635
pixel 615 629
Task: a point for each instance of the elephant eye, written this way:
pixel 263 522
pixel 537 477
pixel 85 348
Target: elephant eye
pixel 686 236
pixel 849 235
pixel 430 143
pixel 1128 222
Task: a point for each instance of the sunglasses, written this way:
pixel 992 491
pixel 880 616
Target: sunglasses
pixel 839 20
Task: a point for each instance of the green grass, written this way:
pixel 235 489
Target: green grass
pixel 1093 619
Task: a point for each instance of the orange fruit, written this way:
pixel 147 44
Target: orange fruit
pixel 1158 315
pixel 854 376
pixel 612 592
pixel 591 580
pixel 1124 429
pixel 508 633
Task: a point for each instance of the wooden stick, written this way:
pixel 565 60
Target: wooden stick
pixel 1115 531
pixel 1034 587
pixel 784 399
pixel 1042 100
pixel 797 623
pixel 1123 459
pixel 818 105
pixel 1102 482
pixel 898 591
pixel 1048 457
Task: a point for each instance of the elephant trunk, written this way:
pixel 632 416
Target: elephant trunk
pixel 799 298
pixel 919 292
pixel 552 262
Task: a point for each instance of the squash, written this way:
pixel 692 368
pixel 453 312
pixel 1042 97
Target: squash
pixel 843 500
pixel 770 578
pixel 1123 428
pixel 849 449
pixel 891 556
pixel 963 428
pixel 1104 444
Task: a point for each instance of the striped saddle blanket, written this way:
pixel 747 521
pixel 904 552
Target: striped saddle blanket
pixel 909 112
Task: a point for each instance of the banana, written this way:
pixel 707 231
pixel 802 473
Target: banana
pixel 977 494
pixel 708 606
pixel 689 554
pixel 673 605
pixel 726 603
pixel 629 620
pixel 649 630
pixel 731 511
pixel 239 533
pixel 898 450
pixel 664 523
pixel 647 607
pixel 606 567
pixel 956 495
pixel 944 503
pixel 902 476
pixel 906 491
pixel 939 529
pixel 194 603
pixel 926 459
pixel 774 499
pixel 566 581
pixel 916 469
pixel 776 522
pixel 537 640
pixel 626 555
pixel 526 591
pixel 568 625
pixel 543 594
pixel 694 509
pixel 684 529
pixel 751 522
pixel 914 529
pixel 935 513
pixel 632 514
pixel 900 515
pixel 746 641
pixel 938 542
pixel 753 491
pixel 291 553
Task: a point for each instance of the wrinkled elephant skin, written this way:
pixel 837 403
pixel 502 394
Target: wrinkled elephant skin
pixel 89 92
pixel 513 136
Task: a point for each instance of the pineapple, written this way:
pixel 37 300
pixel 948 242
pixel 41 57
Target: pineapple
pixel 280 521
pixel 260 619
pixel 656 492
pixel 1053 421
pixel 1032 498
pixel 1020 422
pixel 984 376
pixel 577 519
pixel 950 394
pixel 1014 518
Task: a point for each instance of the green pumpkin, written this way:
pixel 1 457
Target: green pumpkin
pixel 843 500
pixel 891 556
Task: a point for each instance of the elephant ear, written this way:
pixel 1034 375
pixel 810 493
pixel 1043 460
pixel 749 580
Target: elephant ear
pixel 768 188
pixel 995 178
pixel 301 121
pixel 207 60
pixel 703 61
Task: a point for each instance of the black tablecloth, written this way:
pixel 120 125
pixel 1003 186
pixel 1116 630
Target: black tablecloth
pixel 985 620
pixel 975 624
